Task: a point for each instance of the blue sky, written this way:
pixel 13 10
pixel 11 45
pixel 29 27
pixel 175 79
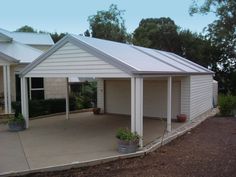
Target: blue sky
pixel 71 15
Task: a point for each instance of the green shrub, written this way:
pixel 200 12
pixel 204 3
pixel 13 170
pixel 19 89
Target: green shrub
pixel 227 104
pixel 17 119
pixel 126 135
pixel 44 107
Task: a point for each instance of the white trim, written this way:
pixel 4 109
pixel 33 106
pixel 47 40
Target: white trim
pixel 169 90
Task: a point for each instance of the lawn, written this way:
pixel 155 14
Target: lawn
pixel 207 151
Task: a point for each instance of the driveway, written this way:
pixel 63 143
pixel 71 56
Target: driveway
pixel 55 141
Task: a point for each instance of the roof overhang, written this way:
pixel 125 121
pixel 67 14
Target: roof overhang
pixel 8 59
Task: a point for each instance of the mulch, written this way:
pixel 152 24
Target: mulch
pixel 209 150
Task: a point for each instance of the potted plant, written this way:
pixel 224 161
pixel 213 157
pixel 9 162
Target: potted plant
pixel 128 141
pixel 16 123
pixel 96 111
pixel 181 117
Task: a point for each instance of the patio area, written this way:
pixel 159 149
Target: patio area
pixel 56 141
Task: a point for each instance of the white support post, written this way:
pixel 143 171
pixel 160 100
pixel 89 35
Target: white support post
pixel 5 88
pixel 100 95
pixel 9 88
pixel 67 100
pixel 133 111
pixel 169 90
pixel 24 100
pixel 139 109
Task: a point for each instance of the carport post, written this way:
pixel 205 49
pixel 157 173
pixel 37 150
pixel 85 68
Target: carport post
pixel 24 100
pixel 137 107
pixel 67 100
pixel 169 87
pixel 133 124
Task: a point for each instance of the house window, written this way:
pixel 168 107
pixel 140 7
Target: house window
pixel 36 88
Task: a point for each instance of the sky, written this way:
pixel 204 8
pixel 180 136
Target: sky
pixel 71 15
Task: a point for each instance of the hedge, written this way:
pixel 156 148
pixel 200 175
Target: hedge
pixel 227 105
pixel 44 107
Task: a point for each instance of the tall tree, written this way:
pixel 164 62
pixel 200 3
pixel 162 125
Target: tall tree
pixel 57 36
pixel 26 28
pixel 222 33
pixel 199 49
pixel 108 24
pixel 159 33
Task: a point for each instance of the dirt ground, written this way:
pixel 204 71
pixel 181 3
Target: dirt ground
pixel 207 151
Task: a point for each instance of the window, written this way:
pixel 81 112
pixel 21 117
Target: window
pixel 36 88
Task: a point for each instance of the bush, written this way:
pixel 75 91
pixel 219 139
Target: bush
pixel 227 104
pixel 44 107
pixel 126 135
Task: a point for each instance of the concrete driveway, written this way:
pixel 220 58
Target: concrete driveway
pixel 56 141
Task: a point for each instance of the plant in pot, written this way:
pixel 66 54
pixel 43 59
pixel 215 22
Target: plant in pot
pixel 128 141
pixel 16 123
pixel 96 111
pixel 181 117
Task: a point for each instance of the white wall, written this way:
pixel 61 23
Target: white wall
pixel 100 94
pixel 118 100
pixel 75 62
pixel 13 81
pixel 185 96
pixel 54 88
pixel 201 92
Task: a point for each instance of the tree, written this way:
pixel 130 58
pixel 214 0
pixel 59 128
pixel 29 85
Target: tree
pixel 57 36
pixel 87 33
pixel 108 24
pixel 199 49
pixel 159 33
pixel 26 28
pixel 222 33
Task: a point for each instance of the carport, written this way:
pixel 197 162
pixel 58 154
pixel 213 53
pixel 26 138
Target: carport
pixel 85 57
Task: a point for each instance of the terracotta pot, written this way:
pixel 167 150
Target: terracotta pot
pixel 96 110
pixel 181 117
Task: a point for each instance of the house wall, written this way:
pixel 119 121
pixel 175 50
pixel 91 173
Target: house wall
pixel 201 94
pixel 185 96
pixel 41 47
pixel 13 80
pixel 100 94
pixel 75 62
pixel 54 88
pixel 118 97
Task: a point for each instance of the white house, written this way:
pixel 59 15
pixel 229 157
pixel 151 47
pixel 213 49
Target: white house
pixel 132 80
pixel 17 50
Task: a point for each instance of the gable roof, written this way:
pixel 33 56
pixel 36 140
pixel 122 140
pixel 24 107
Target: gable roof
pixel 132 59
pixel 16 52
pixel 29 38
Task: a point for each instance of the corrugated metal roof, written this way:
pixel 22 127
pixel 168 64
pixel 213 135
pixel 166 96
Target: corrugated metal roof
pixel 144 60
pixel 29 38
pixel 18 51
pixel 129 58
